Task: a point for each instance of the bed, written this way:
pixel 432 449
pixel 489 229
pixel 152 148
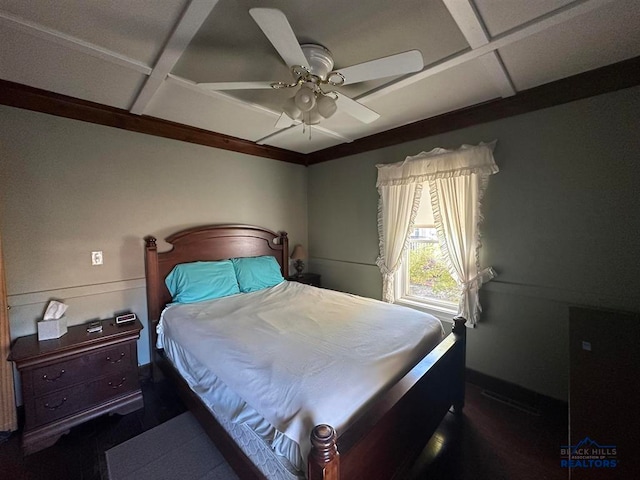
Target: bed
pixel 380 440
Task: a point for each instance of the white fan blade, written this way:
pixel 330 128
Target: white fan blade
pixel 235 85
pixel 285 121
pixel 277 29
pixel 355 109
pixel 400 64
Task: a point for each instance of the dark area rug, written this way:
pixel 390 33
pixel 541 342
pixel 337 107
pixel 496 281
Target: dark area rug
pixel 176 449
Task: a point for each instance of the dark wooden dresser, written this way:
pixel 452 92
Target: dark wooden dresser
pixel 76 377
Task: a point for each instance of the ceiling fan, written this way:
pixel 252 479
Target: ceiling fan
pixel 311 66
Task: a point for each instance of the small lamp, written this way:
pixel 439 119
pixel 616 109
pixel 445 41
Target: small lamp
pixel 299 254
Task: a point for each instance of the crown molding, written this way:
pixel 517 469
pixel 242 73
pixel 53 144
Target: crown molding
pixel 613 77
pixel 30 98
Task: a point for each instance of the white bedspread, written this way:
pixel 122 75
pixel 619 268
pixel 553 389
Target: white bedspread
pixel 301 355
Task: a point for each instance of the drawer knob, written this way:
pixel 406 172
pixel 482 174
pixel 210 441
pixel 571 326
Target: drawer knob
pixel 46 377
pixel 116 361
pixel 55 407
pixel 124 379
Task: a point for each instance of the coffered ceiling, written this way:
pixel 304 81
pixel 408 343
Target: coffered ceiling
pixel 147 56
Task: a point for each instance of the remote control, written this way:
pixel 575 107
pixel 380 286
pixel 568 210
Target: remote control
pixel 94 327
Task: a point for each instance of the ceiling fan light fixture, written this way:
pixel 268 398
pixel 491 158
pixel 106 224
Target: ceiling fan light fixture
pixel 291 109
pixel 326 106
pixel 305 99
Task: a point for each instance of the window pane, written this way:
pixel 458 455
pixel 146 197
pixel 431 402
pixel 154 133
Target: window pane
pixel 429 277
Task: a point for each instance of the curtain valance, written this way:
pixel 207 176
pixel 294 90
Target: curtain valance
pixel 439 163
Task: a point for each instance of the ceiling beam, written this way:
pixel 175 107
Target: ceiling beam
pixel 29 98
pixel 185 29
pixel 468 21
pixel 475 31
pixel 614 77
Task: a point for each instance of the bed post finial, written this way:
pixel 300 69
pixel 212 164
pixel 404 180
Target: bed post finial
pixel 151 242
pixel 459 325
pixel 324 459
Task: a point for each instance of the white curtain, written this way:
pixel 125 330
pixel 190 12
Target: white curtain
pixel 397 209
pixel 457 181
pixel 8 416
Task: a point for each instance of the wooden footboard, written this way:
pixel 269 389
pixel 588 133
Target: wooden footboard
pixel 385 440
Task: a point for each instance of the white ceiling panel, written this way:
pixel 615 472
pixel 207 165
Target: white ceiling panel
pixel 65 71
pixel 137 29
pixel 501 16
pixel 600 37
pixel 182 102
pixel 102 51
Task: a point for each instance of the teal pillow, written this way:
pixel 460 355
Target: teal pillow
pixel 256 273
pixel 199 281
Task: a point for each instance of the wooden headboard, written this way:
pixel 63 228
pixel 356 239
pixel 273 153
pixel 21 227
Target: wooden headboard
pixel 211 242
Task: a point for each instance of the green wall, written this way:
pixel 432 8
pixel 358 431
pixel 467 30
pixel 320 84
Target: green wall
pixel 68 188
pixel 562 218
pixel 561 224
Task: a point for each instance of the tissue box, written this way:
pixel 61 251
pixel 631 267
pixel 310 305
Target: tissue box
pixel 48 329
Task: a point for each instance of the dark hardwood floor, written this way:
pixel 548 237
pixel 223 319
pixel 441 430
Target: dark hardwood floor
pixel 497 441
pixel 490 440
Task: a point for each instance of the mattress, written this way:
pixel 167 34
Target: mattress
pixel 265 359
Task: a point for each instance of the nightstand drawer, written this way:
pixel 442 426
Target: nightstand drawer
pixel 66 373
pixel 59 404
pixel 74 399
pixel 114 385
pixel 113 360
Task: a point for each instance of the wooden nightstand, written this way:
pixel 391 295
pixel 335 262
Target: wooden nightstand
pixel 76 377
pixel 306 278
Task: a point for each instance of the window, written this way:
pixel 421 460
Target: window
pixel 456 181
pixel 425 274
